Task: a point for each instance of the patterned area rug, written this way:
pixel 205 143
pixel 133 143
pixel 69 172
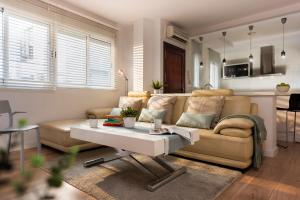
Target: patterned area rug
pixel 124 179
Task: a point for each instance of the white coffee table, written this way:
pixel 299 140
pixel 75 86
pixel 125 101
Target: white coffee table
pixel 137 140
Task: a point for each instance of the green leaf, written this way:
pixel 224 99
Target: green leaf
pixel 37 161
pixel 19 187
pixel 22 122
pixel 55 181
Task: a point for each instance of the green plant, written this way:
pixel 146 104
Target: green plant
pixel 128 112
pixel 55 180
pixel 22 122
pixel 157 85
pixel 283 84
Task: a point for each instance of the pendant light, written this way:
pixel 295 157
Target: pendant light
pixel 224 39
pixel 201 63
pixel 283 21
pixel 250 40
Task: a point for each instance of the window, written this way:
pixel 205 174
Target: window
pixel 34 56
pixel 25 53
pixel 99 65
pixel 71 59
pixel 83 61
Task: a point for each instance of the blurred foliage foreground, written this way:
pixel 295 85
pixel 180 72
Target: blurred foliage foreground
pixel 21 184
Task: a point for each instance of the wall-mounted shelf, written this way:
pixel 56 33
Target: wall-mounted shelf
pixel 254 76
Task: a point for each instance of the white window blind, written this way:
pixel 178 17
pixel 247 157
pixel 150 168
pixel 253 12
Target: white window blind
pixel 71 59
pixel 1 46
pixel 27 53
pixel 100 64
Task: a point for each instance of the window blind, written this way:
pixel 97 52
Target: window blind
pixel 71 59
pixel 27 60
pixel 99 64
pixel 1 46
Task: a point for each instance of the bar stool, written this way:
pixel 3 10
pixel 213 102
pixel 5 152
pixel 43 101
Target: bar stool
pixel 294 106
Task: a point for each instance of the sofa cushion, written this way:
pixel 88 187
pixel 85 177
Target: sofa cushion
pixel 58 132
pixel 133 102
pixel 236 105
pixel 163 103
pixel 195 120
pixel 148 115
pixel 178 108
pixel 206 105
pixel 116 112
pixel 233 148
pixel 212 92
pixel 236 132
pixel 145 95
pixel 234 123
pixel 97 113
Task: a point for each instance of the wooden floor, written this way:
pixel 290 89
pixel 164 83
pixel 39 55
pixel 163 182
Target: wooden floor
pixel 278 179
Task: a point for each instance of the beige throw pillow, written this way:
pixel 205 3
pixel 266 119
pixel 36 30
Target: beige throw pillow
pixel 135 103
pixel 206 105
pixel 163 103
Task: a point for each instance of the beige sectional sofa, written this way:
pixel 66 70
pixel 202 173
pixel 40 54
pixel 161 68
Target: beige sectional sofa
pixel 230 143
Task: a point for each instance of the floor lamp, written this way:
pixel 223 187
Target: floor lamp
pixel 122 74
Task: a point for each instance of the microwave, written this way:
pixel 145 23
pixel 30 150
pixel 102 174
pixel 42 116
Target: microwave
pixel 237 70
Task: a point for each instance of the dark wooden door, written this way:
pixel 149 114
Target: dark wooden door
pixel 174 69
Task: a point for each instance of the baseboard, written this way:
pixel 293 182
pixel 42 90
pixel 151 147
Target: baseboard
pixel 271 152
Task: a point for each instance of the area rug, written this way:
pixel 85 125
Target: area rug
pixel 124 179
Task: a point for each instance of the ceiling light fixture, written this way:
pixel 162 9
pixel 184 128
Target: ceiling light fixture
pixel 201 63
pixel 283 21
pixel 251 27
pixel 224 38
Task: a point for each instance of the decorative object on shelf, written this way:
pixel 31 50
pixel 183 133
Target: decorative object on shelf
pixel 224 39
pixel 283 21
pixel 157 86
pixel 283 87
pixel 129 117
pixel 93 123
pixel 251 33
pixel 201 62
pixel 122 74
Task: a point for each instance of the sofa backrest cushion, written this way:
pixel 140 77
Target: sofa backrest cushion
pixel 163 103
pixel 212 92
pixel 133 102
pixel 145 96
pixel 236 105
pixel 178 108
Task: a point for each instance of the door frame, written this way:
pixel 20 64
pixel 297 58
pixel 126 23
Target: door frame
pixel 165 45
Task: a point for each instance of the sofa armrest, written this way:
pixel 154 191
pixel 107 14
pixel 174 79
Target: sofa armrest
pixel 236 132
pixel 97 113
pixel 239 123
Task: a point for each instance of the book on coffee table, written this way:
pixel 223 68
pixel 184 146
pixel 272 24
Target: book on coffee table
pixel 186 134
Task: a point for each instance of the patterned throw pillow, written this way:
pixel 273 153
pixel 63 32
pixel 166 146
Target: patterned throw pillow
pixel 206 105
pixel 135 103
pixel 163 103
pixel 149 115
pixel 195 120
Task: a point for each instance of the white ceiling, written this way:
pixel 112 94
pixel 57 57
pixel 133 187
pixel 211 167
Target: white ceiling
pixel 189 14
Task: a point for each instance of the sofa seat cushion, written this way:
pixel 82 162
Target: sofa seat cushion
pixel 234 148
pixel 236 132
pixel 58 132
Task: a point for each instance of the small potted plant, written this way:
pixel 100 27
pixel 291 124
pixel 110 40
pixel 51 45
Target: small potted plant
pixel 157 86
pixel 283 87
pixel 129 117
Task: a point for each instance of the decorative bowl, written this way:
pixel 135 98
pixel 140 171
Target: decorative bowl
pixel 283 88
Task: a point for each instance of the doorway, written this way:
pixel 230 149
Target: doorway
pixel 174 69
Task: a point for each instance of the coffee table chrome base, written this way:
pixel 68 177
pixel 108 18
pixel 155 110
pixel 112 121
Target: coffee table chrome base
pixel 160 181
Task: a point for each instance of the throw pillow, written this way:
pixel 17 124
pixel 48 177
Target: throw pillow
pixel 149 115
pixel 163 103
pixel 206 105
pixel 135 103
pixel 116 111
pixel 195 120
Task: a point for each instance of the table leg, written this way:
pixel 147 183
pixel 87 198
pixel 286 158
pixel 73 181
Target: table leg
pixel 22 152
pixel 38 140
